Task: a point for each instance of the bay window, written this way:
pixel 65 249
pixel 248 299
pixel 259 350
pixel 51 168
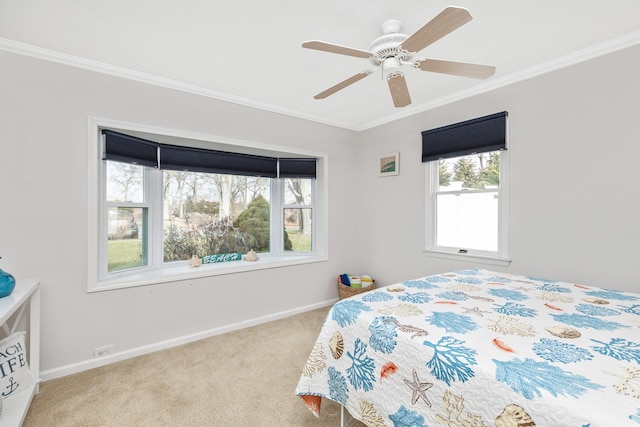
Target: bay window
pixel 161 204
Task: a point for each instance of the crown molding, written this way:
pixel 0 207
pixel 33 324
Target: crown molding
pixel 576 57
pixel 126 73
pixel 579 56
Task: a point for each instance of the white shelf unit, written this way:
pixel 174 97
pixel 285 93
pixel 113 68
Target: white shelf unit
pixel 26 294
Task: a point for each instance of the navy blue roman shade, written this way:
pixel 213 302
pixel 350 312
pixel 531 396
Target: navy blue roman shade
pixel 130 149
pixel 201 160
pixel 480 135
pixel 297 168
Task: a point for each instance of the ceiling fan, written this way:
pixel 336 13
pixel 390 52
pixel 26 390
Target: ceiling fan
pixel 393 50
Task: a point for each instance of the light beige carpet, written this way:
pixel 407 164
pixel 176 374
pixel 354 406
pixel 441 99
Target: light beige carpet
pixel 243 378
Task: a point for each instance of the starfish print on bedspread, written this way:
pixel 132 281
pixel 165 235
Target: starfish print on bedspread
pixel 419 389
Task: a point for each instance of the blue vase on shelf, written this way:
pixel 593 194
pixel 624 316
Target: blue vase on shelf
pixel 7 283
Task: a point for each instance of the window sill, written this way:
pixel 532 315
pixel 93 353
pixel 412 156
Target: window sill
pixel 482 259
pixel 184 272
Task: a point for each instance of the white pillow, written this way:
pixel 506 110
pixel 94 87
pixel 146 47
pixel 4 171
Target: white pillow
pixel 14 367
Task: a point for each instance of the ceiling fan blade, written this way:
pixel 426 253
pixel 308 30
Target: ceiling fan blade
pixel 351 80
pixel 464 69
pixel 335 48
pixel 448 20
pixel 399 90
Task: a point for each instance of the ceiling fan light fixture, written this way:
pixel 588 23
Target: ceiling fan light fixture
pixel 390 65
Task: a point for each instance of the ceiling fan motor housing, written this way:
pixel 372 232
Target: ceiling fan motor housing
pixel 388 46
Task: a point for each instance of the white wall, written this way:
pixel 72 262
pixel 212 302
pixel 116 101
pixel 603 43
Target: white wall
pixel 574 153
pixel 44 110
pixel 574 158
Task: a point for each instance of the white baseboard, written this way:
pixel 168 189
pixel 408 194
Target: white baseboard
pixel 74 368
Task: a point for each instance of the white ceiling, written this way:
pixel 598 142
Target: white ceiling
pixel 249 51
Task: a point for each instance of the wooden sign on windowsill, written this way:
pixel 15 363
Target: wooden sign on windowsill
pixel 210 259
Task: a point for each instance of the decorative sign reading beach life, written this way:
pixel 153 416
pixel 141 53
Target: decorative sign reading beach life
pixel 15 375
pixel 210 259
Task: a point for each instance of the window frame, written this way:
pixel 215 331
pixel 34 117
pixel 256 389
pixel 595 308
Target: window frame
pixel 154 273
pixel 499 257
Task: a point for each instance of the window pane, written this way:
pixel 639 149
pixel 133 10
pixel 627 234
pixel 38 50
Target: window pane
pixel 125 182
pixel 473 171
pixel 467 221
pixel 297 226
pixel 206 214
pixel 297 191
pixel 126 230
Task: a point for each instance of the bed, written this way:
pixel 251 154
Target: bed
pixel 479 348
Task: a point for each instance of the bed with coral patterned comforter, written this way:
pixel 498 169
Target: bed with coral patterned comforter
pixel 480 348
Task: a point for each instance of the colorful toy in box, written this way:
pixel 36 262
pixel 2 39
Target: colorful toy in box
pixel 356 282
pixel 366 281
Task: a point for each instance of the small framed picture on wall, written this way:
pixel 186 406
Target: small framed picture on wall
pixel 389 164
